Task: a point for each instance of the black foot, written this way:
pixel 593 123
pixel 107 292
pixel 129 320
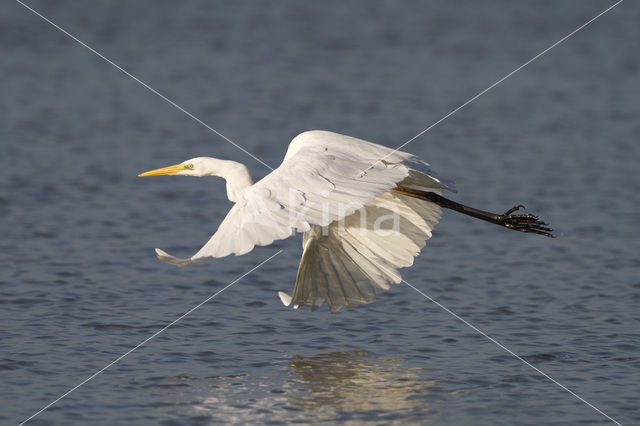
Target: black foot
pixel 524 222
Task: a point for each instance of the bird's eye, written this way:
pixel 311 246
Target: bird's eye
pixel 189 166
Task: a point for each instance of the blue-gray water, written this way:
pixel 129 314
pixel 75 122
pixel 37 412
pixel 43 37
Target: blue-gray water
pixel 80 284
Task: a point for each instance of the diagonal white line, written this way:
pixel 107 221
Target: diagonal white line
pixel 512 353
pixel 149 338
pixel 145 85
pixel 497 82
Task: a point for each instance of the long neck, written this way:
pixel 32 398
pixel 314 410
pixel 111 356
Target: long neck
pixel 236 174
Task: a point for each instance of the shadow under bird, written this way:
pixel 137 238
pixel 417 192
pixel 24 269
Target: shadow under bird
pixel 366 210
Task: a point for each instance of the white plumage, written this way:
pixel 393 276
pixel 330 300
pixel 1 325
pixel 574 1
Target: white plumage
pixel 338 190
pixel 344 265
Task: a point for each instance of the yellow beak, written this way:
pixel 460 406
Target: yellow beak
pixel 171 170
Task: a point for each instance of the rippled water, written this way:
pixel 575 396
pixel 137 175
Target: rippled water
pixel 81 286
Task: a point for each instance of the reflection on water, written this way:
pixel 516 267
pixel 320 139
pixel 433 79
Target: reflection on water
pixel 354 381
pixel 351 386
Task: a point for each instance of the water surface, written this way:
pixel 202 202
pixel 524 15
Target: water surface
pixel 80 284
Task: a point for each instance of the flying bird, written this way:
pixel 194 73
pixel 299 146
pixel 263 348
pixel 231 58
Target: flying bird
pixel 365 210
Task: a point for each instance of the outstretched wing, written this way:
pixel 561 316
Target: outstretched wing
pixel 344 264
pixel 324 177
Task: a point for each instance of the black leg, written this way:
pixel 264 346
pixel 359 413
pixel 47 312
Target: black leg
pixel 518 222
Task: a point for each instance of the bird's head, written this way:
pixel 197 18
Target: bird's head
pixel 236 174
pixel 200 166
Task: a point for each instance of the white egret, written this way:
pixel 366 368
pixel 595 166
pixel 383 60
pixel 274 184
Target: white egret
pixel 365 210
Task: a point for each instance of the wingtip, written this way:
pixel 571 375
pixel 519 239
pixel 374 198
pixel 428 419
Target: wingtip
pixel 171 260
pixel 286 299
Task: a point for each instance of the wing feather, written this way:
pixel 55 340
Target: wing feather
pixel 342 265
